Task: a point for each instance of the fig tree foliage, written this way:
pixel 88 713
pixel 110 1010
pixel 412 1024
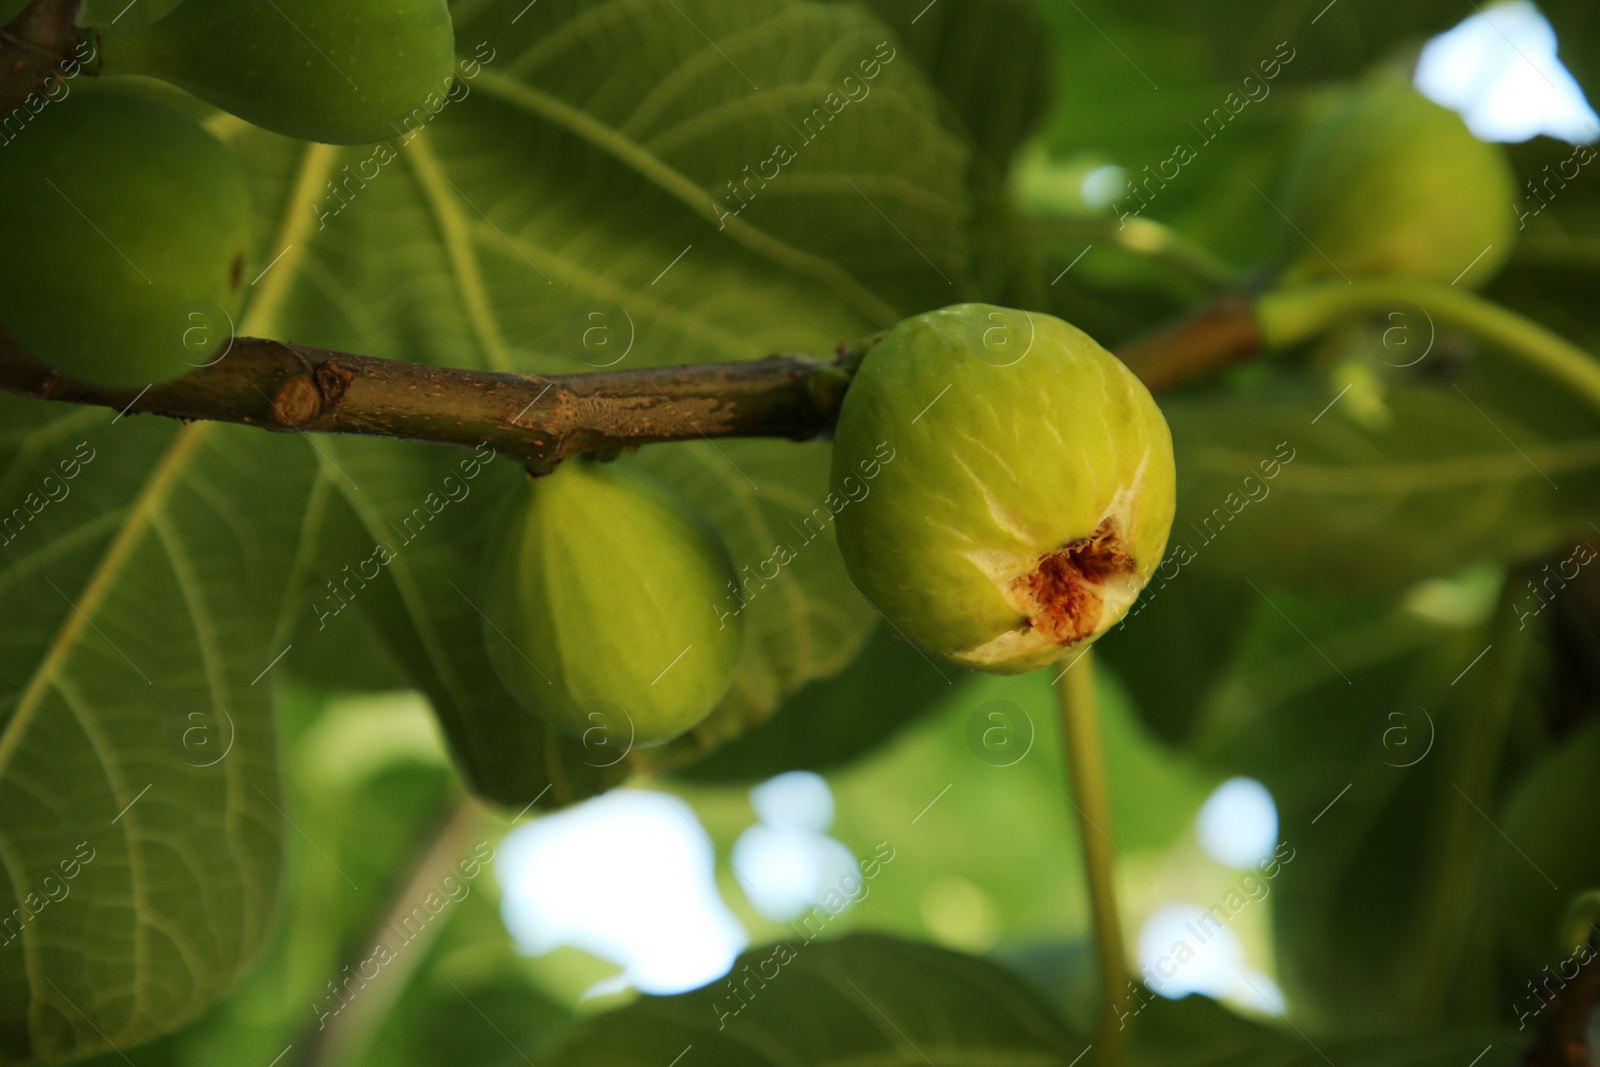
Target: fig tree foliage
pixel 249 680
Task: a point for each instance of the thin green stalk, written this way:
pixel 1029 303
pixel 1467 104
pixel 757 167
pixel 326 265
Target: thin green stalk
pixel 350 1033
pixel 1144 237
pixel 1293 315
pixel 1085 760
pixel 1484 713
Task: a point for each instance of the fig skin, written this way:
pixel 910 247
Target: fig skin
pixel 606 584
pixel 336 71
pixel 133 217
pixel 1391 183
pixel 1027 494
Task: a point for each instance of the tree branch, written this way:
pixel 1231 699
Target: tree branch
pixel 544 419
pixel 37 48
pixel 1222 334
pixel 538 419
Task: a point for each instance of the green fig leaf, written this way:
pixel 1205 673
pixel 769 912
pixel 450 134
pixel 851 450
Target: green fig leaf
pixel 1190 626
pixel 833 721
pixel 1199 1032
pixel 867 998
pixel 883 1000
pixel 1577 27
pixel 1348 715
pixel 1489 467
pixel 139 798
pixel 988 58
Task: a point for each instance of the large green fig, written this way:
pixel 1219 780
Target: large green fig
pixel 1391 183
pixel 128 226
pixel 340 71
pixel 1007 485
pixel 601 593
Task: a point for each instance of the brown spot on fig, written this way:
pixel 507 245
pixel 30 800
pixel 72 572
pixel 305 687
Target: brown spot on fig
pixel 1064 591
pixel 236 272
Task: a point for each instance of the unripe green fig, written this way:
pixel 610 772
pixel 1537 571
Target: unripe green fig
pixel 338 71
pixel 1009 485
pixel 599 596
pixel 128 226
pixel 1391 183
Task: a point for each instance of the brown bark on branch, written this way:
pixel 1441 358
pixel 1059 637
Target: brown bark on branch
pixel 37 47
pixel 1221 335
pixel 538 419
pixel 541 420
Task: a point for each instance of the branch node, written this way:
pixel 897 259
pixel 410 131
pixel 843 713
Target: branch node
pixel 333 381
pixel 299 400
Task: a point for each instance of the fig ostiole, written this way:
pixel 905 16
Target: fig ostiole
pixel 1032 492
pixel 129 228
pixel 1391 183
pixel 339 71
pixel 599 593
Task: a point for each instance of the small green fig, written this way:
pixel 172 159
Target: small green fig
pixel 1391 183
pixel 339 71
pixel 128 227
pixel 600 592
pixel 1011 485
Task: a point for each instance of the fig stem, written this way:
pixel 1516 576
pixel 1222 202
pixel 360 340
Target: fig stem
pixel 1141 237
pixel 1084 757
pixel 1290 316
pixel 538 420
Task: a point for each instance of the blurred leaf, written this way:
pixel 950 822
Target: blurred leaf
pixel 1170 106
pixel 1176 644
pixel 1198 1032
pixel 1490 468
pixel 138 765
pixel 473 1000
pixel 1572 697
pixel 1349 716
pixel 1198 104
pixel 1577 26
pixel 485 1017
pixel 1551 275
pixel 868 998
pixel 836 720
pixel 1160 60
pixel 988 58
pixel 357 662
pixel 975 793
pixel 864 998
pixel 1547 857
